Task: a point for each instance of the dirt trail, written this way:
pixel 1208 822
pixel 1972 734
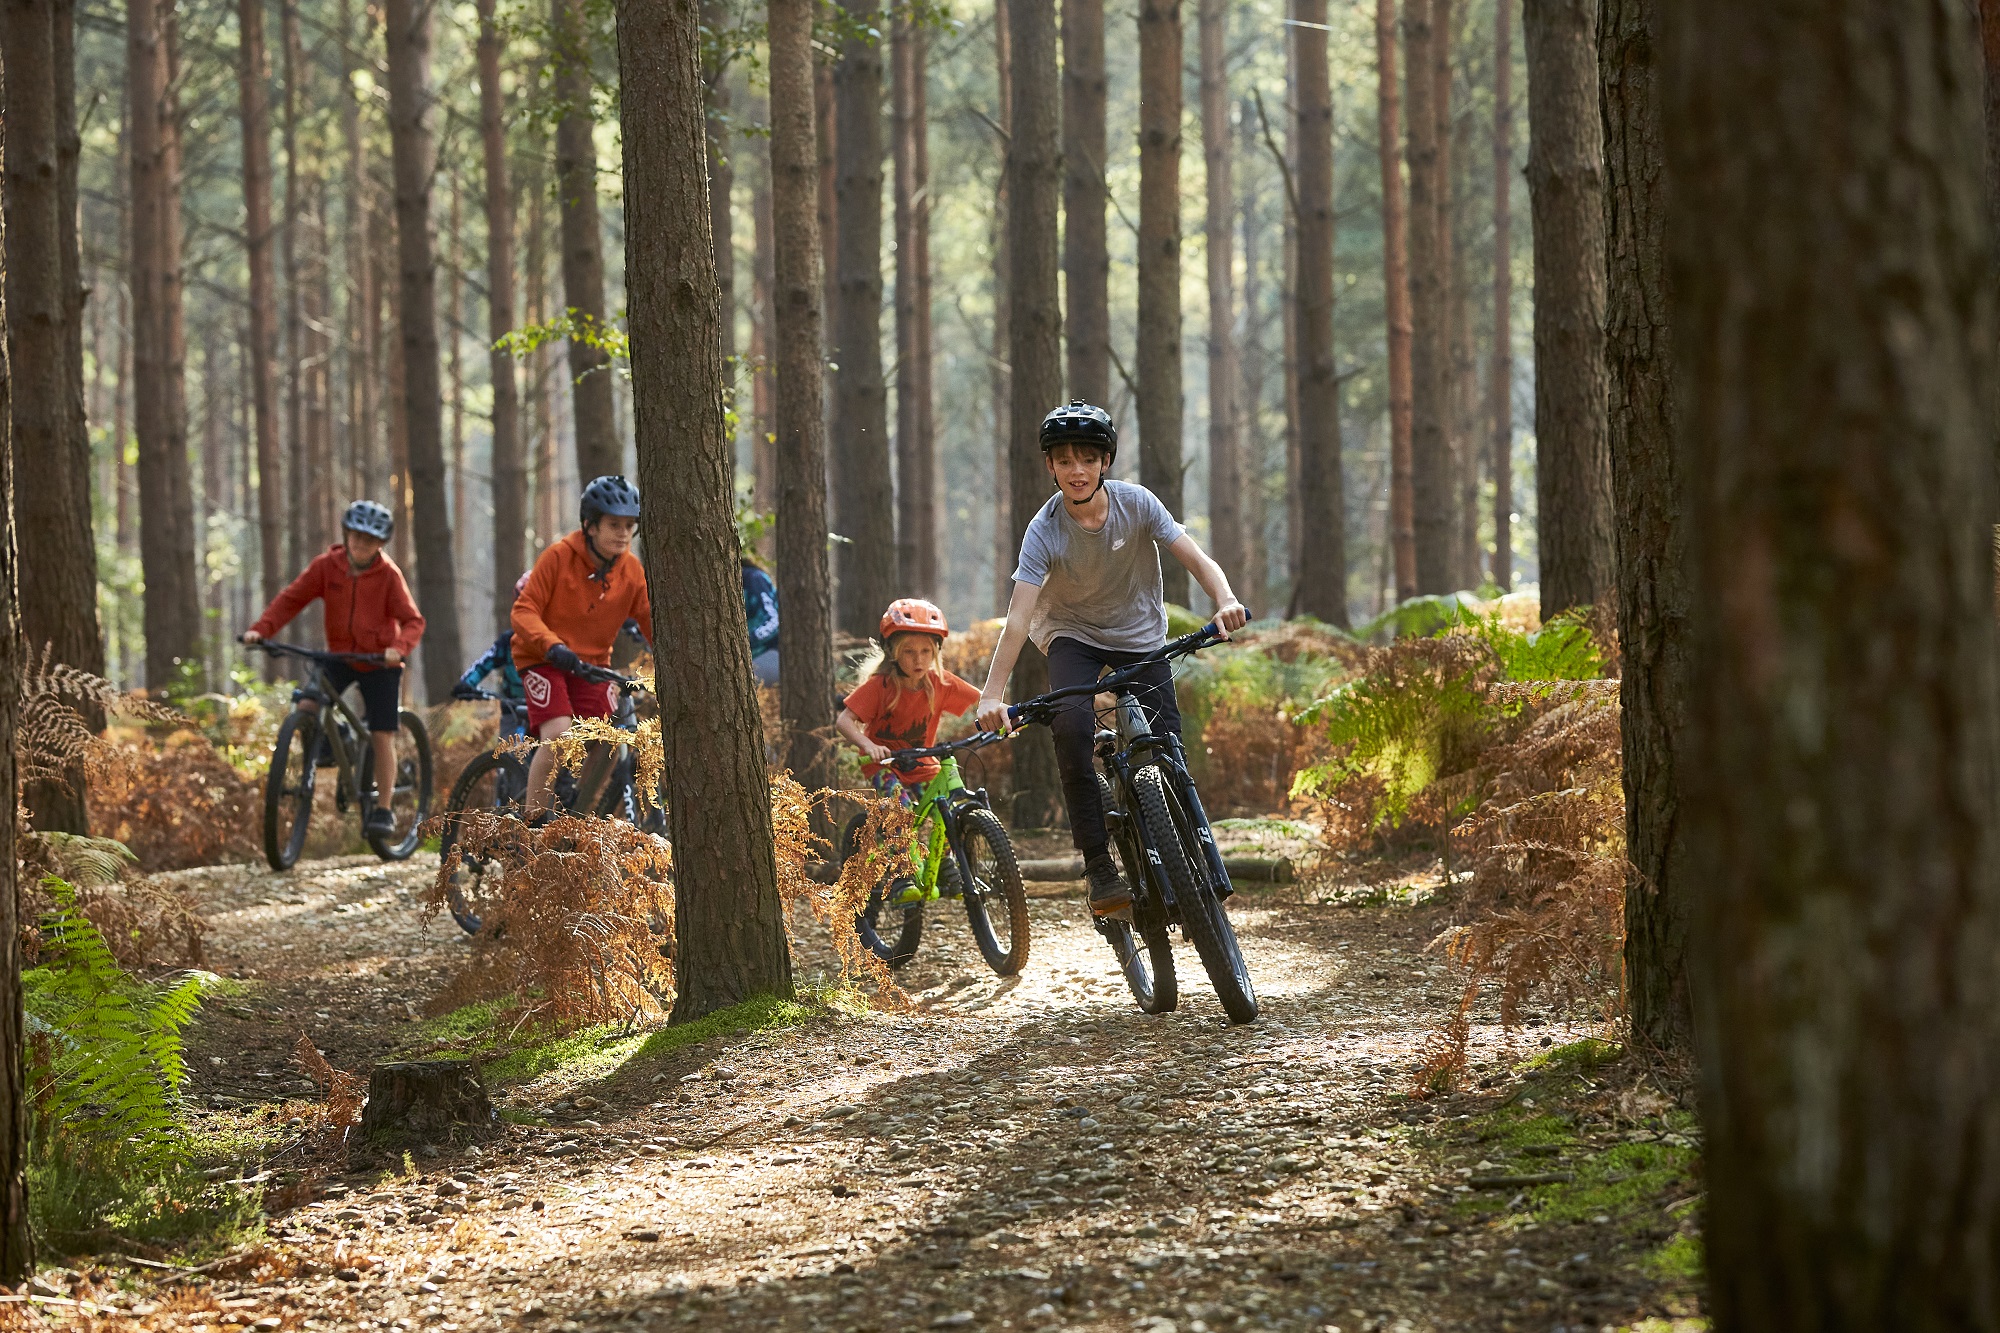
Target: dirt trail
pixel 1033 1153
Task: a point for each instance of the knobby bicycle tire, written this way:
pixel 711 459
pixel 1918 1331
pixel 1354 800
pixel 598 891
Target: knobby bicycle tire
pixel 897 945
pixel 414 764
pixel 289 796
pixel 490 782
pixel 993 873
pixel 1168 829
pixel 1142 946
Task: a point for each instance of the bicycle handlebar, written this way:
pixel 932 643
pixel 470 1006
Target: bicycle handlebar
pixel 311 654
pixel 1040 708
pixel 909 759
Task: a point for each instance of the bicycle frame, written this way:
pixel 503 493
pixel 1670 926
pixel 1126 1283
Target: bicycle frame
pixel 935 807
pixel 321 692
pixel 1134 736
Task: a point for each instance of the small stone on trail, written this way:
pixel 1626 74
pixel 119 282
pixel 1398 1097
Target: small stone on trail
pixel 842 1192
pixel 449 1187
pixel 348 1274
pixel 647 1236
pixel 957 1320
pixel 586 1103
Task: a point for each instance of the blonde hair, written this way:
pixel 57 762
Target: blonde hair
pixel 879 659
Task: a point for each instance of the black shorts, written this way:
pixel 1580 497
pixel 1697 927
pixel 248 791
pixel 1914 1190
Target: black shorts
pixel 381 691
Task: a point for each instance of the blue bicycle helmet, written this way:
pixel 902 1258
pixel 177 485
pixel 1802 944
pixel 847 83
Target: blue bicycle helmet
pixel 369 519
pixel 613 496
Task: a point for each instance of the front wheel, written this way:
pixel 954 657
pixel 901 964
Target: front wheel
pixel 1144 951
pixel 1170 830
pixel 995 900
pixel 288 790
pixel 412 801
pixel 496 782
pixel 893 941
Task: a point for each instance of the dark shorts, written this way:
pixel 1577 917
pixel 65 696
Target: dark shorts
pixel 553 692
pixel 381 691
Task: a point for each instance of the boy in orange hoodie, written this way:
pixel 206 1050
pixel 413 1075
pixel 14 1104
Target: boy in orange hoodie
pixel 368 609
pixel 578 596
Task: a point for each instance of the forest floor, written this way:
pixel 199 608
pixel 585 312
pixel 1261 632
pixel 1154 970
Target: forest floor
pixel 1024 1154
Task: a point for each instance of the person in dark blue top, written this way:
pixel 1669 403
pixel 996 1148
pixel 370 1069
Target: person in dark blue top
pixel 760 609
pixel 499 657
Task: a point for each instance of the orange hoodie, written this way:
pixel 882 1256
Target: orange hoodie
pixel 569 601
pixel 365 613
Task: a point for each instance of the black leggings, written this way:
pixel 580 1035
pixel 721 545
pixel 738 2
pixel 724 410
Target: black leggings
pixel 1072 662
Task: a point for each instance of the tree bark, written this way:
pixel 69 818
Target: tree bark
pixel 1034 189
pixel 1225 416
pixel 299 543
pixel 721 181
pixel 805 586
pixel 1833 316
pixel 1652 563
pixel 1565 196
pixel 1159 334
pixel 729 929
pixel 1430 352
pixel 365 301
pixel 999 380
pixel 916 451
pixel 509 464
pixel 454 306
pixel 1396 297
pixel 159 347
pixel 863 495
pixel 410 143
pixel 1322 578
pixel 598 450
pixel 1256 573
pixel 17 1241
pixel 1086 260
pixel 1500 377
pixel 51 495
pixel 763 342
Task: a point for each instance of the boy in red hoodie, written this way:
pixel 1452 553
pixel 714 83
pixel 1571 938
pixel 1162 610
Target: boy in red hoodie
pixel 578 596
pixel 368 609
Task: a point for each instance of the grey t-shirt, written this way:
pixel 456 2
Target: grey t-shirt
pixel 1102 587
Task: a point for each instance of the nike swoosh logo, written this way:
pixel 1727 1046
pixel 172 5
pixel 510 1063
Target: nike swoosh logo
pixel 1118 545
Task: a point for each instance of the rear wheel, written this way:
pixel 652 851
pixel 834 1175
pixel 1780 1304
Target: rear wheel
pixel 891 933
pixel 995 900
pixel 412 803
pixel 288 790
pixel 491 782
pixel 1145 952
pixel 1170 830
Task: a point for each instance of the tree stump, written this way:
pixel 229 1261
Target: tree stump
pixel 424 1099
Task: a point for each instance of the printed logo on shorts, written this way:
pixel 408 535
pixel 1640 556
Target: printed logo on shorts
pixel 610 697
pixel 537 687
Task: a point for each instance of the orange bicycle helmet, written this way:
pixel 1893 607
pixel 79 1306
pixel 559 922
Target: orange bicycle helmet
pixel 914 615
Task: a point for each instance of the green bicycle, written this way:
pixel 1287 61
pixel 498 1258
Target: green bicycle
pixel 958 849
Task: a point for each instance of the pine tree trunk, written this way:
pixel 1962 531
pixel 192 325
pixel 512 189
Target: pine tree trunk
pixel 455 379
pixel 1225 416
pixel 1647 485
pixel 729 928
pixel 297 469
pixel 916 451
pixel 863 495
pixel 1500 378
pixel 365 300
pixel 1565 194
pixel 1256 574
pixel 1086 260
pixel 930 476
pixel 1034 191
pixel 1322 580
pixel 999 380
pixel 1396 296
pixel 1288 301
pixel 17 1242
pixel 1430 352
pixel 721 184
pixel 1469 436
pixel 410 98
pixel 1452 279
pixel 805 586
pixel 159 347
pixel 1834 334
pixel 509 463
pixel 598 451
pixel 1159 333
pixel 827 119
pixel 51 495
pixel 763 341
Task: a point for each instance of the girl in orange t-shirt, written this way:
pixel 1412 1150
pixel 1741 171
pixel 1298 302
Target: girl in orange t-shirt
pixel 901 703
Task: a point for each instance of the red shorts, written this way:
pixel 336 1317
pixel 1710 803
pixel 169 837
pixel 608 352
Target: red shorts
pixel 553 692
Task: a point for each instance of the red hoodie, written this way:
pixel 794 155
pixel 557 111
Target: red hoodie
pixel 367 612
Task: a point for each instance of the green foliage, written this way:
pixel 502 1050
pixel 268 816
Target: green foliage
pixel 1425 705
pixel 105 1065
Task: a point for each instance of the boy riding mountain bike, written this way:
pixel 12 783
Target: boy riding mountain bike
pixel 901 703
pixel 579 594
pixel 1088 592
pixel 368 609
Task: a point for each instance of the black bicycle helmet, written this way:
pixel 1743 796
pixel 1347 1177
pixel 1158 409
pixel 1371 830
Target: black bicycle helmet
pixel 369 519
pixel 613 495
pixel 1080 423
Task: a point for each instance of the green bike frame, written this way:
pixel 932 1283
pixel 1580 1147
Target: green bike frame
pixel 929 840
